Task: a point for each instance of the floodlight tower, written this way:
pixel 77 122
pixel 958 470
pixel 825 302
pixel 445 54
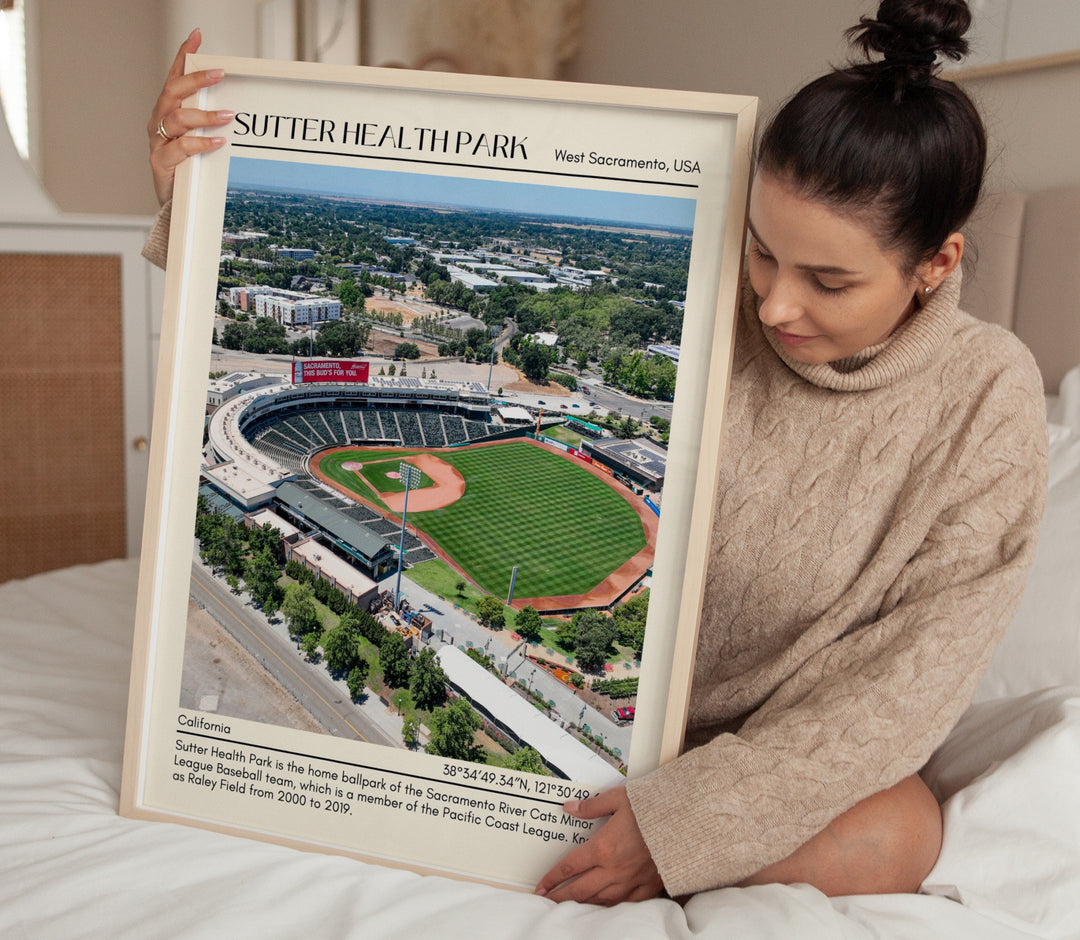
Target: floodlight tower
pixel 494 331
pixel 410 475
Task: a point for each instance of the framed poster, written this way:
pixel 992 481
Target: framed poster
pixel 412 573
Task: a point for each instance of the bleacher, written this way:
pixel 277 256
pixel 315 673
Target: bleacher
pixel 410 432
pixel 289 438
pixel 477 430
pixel 384 527
pixel 300 429
pixel 362 514
pixel 354 425
pixel 297 441
pixel 454 428
pixel 432 429
pixel 389 529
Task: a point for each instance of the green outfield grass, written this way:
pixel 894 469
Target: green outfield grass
pixel 523 505
pixel 562 433
pixel 564 529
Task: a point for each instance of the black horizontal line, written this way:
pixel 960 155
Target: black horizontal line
pixel 382 770
pixel 470 166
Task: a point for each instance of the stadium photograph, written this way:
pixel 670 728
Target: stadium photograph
pixel 418 562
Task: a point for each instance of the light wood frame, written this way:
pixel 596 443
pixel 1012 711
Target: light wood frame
pixel 647 133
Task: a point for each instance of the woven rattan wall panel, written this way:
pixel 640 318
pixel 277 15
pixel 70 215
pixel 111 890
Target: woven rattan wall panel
pixel 61 412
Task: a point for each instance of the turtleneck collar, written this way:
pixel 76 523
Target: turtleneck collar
pixel 909 350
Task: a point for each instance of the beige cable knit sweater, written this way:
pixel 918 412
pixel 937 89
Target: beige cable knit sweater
pixel 875 522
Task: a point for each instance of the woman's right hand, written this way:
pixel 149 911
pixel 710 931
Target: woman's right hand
pixel 170 120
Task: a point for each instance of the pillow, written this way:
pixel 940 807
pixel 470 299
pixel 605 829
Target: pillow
pixel 1042 645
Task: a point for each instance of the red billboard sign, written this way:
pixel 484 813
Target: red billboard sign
pixel 329 370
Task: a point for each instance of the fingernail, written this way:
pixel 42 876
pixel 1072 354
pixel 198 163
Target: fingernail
pixel 225 116
pixel 216 73
pixel 571 806
pixel 540 892
pixel 195 32
pixel 218 141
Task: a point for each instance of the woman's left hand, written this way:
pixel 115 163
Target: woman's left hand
pixel 613 865
pixel 167 129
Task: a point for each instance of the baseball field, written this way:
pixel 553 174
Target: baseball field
pixel 491 507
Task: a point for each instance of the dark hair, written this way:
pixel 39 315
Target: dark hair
pixel 887 139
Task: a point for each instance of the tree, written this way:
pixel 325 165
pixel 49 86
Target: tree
pixel 595 633
pixel 310 646
pixel 535 361
pixel 406 351
pixel 356 680
pixel 410 731
pixel 629 620
pixel 528 624
pixel 340 338
pixel 267 336
pixel 567 635
pixel 459 586
pixel 350 295
pixel 341 649
pixel 428 681
pixel 299 610
pixel 627 428
pixel 261 573
pixel 394 659
pixel 234 334
pixel 452 730
pixel 491 612
pixel 528 760
pixel 266 537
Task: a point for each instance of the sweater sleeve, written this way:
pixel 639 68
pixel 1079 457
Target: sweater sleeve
pixel 869 709
pixel 156 249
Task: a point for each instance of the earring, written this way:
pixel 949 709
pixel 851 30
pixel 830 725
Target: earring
pixel 928 289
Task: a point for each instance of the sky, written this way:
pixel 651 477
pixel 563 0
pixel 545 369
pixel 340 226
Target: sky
pixel 411 188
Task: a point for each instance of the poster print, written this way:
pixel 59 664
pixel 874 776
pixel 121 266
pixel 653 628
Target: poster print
pixel 442 380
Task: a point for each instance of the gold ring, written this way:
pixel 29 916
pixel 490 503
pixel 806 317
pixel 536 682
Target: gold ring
pixel 162 133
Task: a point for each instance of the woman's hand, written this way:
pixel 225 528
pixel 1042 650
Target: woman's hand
pixel 614 865
pixel 168 119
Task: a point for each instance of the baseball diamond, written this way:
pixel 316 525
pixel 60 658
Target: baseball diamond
pixel 492 506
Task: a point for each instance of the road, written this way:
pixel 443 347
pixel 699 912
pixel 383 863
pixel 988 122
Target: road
pixel 613 400
pixel 309 684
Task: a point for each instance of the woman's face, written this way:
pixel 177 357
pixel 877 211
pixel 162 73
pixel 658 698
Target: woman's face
pixel 826 287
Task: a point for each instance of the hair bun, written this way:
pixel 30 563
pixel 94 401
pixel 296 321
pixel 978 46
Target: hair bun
pixel 913 33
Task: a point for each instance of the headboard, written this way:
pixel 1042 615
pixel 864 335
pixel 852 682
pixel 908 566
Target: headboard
pixel 1027 273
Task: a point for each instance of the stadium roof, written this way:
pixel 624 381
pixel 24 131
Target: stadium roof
pixel 264 516
pixel 337 568
pixel 350 534
pixel 514 413
pixel 559 749
pixel 647 458
pixel 220 504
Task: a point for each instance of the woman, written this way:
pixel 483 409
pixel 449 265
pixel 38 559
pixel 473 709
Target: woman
pixel 882 480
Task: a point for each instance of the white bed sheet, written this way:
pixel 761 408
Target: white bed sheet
pixel 71 867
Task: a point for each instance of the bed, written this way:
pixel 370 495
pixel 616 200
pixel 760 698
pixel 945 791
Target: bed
pixel 70 866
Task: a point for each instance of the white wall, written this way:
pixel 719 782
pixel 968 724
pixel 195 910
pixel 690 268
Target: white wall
pixel 765 47
pixel 1034 126
pixel 102 65
pixel 97 75
pixel 769 48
